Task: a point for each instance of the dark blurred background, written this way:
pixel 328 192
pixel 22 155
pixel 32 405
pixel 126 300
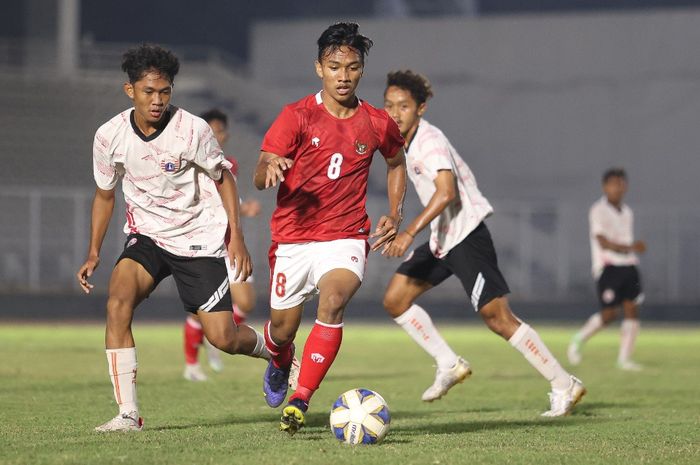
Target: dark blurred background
pixel 539 98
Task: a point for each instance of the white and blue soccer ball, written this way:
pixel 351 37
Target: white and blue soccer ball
pixel 360 416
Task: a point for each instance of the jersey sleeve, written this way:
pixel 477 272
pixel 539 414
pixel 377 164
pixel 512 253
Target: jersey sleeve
pixel 208 154
pixel 595 220
pixel 436 154
pixel 391 140
pixel 284 135
pixel 104 170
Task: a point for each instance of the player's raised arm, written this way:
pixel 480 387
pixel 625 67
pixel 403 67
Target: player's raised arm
pixel 102 208
pixel 388 225
pixel 237 251
pixel 445 193
pixel 270 170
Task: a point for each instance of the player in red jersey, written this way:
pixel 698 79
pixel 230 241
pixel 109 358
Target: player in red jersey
pixel 242 293
pixel 319 151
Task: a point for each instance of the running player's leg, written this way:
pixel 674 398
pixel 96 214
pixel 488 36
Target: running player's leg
pixel 336 287
pixel 129 285
pixel 607 287
pixel 243 296
pixel 632 297
pixel 399 302
pixel 193 339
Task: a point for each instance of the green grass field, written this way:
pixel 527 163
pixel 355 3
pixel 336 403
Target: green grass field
pixel 54 389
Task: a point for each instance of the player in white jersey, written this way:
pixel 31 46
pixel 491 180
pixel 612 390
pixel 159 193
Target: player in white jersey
pixel 614 258
pixel 460 245
pixel 174 227
pixel 242 293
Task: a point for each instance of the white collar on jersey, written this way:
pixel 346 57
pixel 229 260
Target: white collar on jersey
pixel 319 100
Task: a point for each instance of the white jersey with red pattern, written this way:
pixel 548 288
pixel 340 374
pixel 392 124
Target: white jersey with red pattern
pixel 324 193
pixel 616 226
pixel 164 200
pixel 429 152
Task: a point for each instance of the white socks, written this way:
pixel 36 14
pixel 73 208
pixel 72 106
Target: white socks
pixel 122 371
pixel 417 323
pixel 628 334
pixel 260 350
pixel 592 326
pixel 528 343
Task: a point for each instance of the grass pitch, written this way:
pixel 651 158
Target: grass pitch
pixel 54 390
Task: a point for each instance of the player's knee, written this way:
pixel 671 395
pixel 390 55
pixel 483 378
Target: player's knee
pixel 335 302
pixel 393 303
pixel 118 308
pixel 282 332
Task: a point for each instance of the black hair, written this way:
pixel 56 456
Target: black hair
pixel 417 84
pixel 140 60
pixel 340 34
pixel 214 114
pixel 614 173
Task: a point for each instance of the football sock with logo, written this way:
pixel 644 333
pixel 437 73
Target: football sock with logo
pixel 528 342
pixel 417 323
pixel 260 349
pixel 194 335
pixel 238 316
pixel 281 355
pixel 592 326
pixel 628 335
pixel 122 371
pixel 320 350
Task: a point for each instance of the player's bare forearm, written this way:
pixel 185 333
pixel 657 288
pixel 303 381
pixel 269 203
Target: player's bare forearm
pixel 102 208
pixel 388 225
pixel 396 185
pixel 270 170
pixel 228 191
pixel 605 243
pixel 445 193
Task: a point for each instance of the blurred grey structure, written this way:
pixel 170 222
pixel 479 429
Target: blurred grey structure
pixel 538 105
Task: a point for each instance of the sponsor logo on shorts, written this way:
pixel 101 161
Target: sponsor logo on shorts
pixel 608 296
pixel 131 242
pixel 317 358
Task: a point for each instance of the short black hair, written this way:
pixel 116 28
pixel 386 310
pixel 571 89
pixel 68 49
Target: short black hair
pixel 214 114
pixel 340 34
pixel 614 173
pixel 417 84
pixel 143 58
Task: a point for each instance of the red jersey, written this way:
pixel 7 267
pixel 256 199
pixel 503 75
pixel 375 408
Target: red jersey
pixel 324 193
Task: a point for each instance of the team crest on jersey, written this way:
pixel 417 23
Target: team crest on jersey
pixel 354 259
pixel 170 166
pixel 417 169
pixel 360 147
pixel 315 141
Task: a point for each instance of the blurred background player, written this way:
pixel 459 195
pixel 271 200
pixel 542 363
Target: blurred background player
pixel 319 151
pixel 460 244
pixel 614 259
pixel 174 226
pixel 242 293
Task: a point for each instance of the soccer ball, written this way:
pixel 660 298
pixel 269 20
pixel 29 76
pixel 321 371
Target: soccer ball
pixel 360 416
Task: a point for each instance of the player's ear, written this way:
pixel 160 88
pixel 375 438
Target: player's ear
pixel 129 90
pixel 421 108
pixel 319 69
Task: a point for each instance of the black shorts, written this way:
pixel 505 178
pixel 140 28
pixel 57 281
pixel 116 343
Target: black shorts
pixel 473 261
pixel 202 282
pixel 619 283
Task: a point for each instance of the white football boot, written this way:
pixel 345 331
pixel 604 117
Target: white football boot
pixel 214 357
pixel 629 365
pixel 194 373
pixel 294 374
pixel 123 422
pixel 563 401
pixel 445 379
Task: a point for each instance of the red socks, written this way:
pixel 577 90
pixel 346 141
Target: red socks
pixel 281 355
pixel 320 350
pixel 194 336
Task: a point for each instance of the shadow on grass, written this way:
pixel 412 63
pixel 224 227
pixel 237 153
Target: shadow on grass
pixel 451 427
